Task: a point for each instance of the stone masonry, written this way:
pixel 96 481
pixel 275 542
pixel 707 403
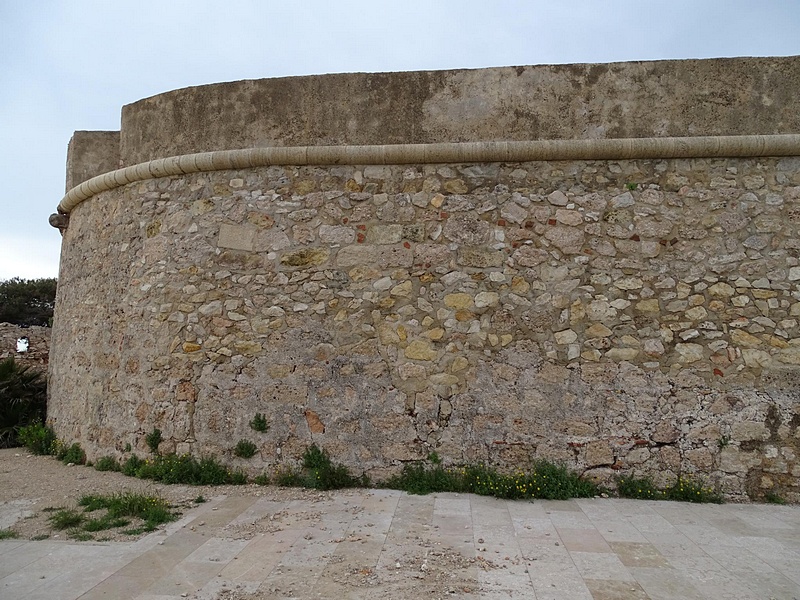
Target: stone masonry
pixel 621 316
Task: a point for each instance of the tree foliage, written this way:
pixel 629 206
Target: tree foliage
pixel 27 301
pixel 23 399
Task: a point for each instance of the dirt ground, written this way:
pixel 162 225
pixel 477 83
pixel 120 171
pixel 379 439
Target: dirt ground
pixel 31 486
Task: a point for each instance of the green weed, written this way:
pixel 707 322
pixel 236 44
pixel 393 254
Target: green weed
pixel 65 519
pixel 262 479
pixel 153 440
pixel 8 534
pixel 684 489
pixel 245 449
pixel 773 498
pixel 259 423
pixel 544 480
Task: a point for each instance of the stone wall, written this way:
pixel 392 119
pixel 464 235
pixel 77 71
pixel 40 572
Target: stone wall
pixel 633 316
pixel 38 351
pixel 732 96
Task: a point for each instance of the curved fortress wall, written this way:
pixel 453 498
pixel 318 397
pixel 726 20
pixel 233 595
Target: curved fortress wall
pixel 624 316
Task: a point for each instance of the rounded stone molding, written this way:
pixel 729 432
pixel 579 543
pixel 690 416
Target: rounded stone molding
pixel 455 152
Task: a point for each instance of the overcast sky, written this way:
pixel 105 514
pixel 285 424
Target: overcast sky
pixel 72 65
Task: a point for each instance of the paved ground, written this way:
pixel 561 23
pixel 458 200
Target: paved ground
pixel 386 544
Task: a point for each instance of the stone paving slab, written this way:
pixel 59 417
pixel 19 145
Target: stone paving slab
pixel 386 544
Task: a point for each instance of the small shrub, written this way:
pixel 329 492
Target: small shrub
pixel 289 478
pixel 237 477
pixel 74 454
pixel 641 489
pixel 688 490
pixel 683 490
pixel 259 423
pixel 324 475
pixel 8 534
pixel 262 479
pixel 37 438
pixel 132 466
pixel 211 472
pixel 153 440
pixel 200 499
pixel 107 463
pixel 245 449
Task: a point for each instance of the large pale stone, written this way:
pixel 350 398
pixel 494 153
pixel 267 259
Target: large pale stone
pixel 569 217
pixel 530 256
pixel 558 198
pixel 380 256
pixel 420 350
pixel 468 230
pixel 599 453
pixel 480 257
pixel 336 234
pixel 618 354
pixel 236 237
pixel 485 299
pixel 721 290
pixel 749 431
pixel 305 257
pixel 458 301
pixel 689 352
pixel 598 330
pixel 744 339
pixel 385 234
pixel 567 239
pixel 565 337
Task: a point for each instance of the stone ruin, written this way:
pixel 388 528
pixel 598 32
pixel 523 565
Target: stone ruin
pixel 591 264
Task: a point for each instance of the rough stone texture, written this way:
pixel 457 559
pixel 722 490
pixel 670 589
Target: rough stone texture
pixel 731 96
pixel 656 341
pixel 91 153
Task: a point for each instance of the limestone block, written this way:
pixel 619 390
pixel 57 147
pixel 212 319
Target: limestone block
pixel 236 237
pixel 385 234
pixel 458 300
pixel 336 234
pixel 731 460
pixel 567 239
pixel 565 337
pixel 468 230
pixel 529 256
pixel 599 453
pixel 744 339
pixel 480 257
pixel 420 350
pixel 569 217
pixel 558 198
pixel 486 299
pixel 305 257
pixel 748 431
pixel 379 256
pixel 689 352
pixel 432 254
pixel 619 354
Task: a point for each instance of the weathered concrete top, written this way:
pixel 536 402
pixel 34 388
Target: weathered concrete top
pixel 732 96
